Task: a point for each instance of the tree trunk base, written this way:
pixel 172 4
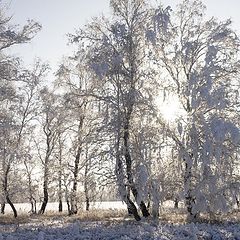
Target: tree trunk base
pixel 132 208
pixel 144 209
pixel 60 206
pixel 43 208
pixel 12 206
pixel 176 201
pixel 3 205
pixel 87 204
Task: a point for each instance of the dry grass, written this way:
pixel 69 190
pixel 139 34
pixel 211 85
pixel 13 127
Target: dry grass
pixel 92 215
pixel 169 216
pixel 174 217
pixel 54 219
pixel 97 214
pixel 7 219
pixel 180 216
pixel 233 217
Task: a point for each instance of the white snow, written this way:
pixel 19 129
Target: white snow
pixel 125 230
pixel 53 206
pixel 60 227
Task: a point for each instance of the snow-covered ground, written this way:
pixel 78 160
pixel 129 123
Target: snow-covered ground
pixel 59 227
pixel 125 230
pixel 53 206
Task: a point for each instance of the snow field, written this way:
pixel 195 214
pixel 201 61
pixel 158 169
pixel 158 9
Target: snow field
pixel 59 227
pixel 122 230
pixel 53 206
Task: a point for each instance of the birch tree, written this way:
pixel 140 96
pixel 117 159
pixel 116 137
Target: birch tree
pixel 9 66
pixel 117 55
pixel 76 81
pixel 50 124
pixel 200 58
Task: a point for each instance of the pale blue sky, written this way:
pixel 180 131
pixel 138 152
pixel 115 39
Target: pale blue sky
pixel 59 17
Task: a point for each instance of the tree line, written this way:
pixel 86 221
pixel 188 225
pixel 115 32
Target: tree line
pixel 98 126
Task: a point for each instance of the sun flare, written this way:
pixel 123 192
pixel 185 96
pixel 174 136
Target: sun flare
pixel 169 109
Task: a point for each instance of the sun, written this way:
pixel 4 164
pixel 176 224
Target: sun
pixel 169 108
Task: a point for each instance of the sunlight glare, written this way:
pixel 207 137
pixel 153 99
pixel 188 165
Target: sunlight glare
pixel 169 109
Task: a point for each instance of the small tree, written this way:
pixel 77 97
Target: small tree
pixel 50 126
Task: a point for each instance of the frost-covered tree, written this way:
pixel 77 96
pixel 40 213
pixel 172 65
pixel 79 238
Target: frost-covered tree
pixel 11 125
pixel 60 155
pixel 24 109
pixel 117 55
pixel 200 60
pixel 76 79
pixel 28 86
pixel 51 122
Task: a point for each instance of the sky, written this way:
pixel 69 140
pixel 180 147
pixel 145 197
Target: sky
pixel 59 17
